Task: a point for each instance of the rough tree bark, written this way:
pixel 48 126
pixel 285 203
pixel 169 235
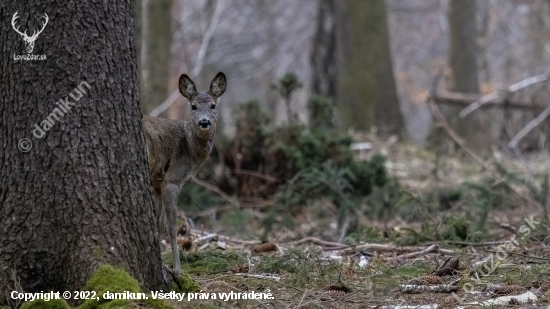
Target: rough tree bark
pixel 368 93
pixel 323 51
pixel 81 196
pixel 156 53
pixel 138 38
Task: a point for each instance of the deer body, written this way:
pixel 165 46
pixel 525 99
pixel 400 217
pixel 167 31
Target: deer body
pixel 178 148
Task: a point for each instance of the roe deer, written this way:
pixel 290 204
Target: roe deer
pixel 178 148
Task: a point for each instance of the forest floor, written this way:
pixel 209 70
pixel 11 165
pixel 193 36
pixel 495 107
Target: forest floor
pixel 393 263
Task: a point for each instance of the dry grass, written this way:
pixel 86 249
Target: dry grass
pixel 307 275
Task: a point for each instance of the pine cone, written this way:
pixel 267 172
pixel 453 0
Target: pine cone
pixel 510 290
pixel 449 300
pixel 338 287
pixel 264 248
pixel 431 279
pixel 545 286
pixel 449 268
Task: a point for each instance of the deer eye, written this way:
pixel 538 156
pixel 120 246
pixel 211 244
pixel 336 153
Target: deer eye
pixel 194 107
pixel 213 106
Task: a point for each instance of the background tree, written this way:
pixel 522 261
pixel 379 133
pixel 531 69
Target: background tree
pixel 463 47
pixel 157 33
pixel 540 24
pixel 463 52
pixel 81 196
pixel 368 94
pixel 323 51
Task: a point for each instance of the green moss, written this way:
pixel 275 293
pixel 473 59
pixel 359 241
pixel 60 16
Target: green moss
pixel 414 270
pixel 184 284
pixel 114 280
pixel 42 304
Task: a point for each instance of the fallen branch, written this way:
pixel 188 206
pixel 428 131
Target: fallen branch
pixel 268 277
pixel 418 253
pixel 318 241
pixel 503 98
pixel 508 227
pixel 256 174
pixel 530 126
pixel 460 142
pixel 431 306
pixel 390 248
pixel 204 238
pixel 478 103
pixel 524 298
pixel 456 138
pixel 212 188
pixel 440 288
pixel 226 238
pixel 527 82
pixel 468 99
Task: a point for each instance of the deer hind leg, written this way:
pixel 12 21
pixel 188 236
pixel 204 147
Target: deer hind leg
pixel 159 211
pixel 170 199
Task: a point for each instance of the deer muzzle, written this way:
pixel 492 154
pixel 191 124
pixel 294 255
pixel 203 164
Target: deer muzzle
pixel 205 124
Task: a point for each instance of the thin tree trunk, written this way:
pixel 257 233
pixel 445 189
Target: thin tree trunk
pixel 368 93
pixel 323 51
pixel 463 46
pixel 539 23
pixel 483 18
pixel 463 52
pixel 81 196
pixel 156 53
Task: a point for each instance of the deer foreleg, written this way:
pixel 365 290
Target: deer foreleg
pixel 170 199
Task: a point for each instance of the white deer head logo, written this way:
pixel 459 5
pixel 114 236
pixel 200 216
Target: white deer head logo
pixel 29 40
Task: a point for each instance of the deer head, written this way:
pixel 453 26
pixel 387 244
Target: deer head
pixel 29 40
pixel 204 109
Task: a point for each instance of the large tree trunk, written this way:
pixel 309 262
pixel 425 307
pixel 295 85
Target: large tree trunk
pixel 463 46
pixel 368 94
pixel 81 196
pixel 463 51
pixel 157 32
pixel 138 39
pixel 323 51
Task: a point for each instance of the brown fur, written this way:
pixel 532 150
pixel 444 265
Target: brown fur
pixel 177 150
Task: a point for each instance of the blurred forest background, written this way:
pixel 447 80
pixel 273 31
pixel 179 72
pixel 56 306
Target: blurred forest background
pixel 362 109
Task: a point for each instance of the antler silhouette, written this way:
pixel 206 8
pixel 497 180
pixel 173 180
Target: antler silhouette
pixel 24 34
pixel 35 35
pixel 13 25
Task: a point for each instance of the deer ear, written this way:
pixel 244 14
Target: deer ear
pixel 218 85
pixel 187 87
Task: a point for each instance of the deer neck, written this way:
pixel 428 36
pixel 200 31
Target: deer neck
pixel 200 145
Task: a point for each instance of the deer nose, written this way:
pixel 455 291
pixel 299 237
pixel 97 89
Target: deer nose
pixel 204 124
